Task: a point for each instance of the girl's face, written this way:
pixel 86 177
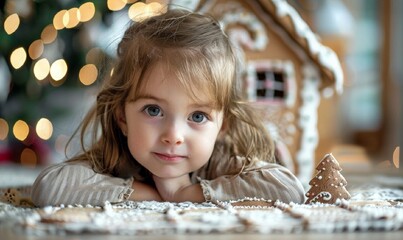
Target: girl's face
pixel 168 132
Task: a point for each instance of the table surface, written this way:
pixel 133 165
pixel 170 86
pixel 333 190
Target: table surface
pixel 24 176
pixel 9 234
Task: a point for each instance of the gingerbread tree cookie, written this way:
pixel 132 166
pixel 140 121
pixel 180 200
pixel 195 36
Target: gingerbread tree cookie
pixel 328 185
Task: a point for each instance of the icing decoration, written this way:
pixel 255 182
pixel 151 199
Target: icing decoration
pixel 285 67
pixel 308 122
pixel 326 196
pixel 324 55
pixel 247 215
pixel 242 36
pixel 328 185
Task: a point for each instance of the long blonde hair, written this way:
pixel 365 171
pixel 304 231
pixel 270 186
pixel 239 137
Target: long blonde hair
pixel 197 50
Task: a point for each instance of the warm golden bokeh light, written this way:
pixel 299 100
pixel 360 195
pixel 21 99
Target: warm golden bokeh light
pixel 41 69
pixel 136 11
pixel 87 11
pixel 58 69
pixel 88 74
pixel 58 20
pixel 116 5
pixel 18 57
pixel 157 8
pixel 28 157
pixel 71 18
pixel 49 34
pixel 44 128
pixel 36 48
pixel 3 129
pixel 140 11
pixel 66 18
pixel 11 23
pixel 21 130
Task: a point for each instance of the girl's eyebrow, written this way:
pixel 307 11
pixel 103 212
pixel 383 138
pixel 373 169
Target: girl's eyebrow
pixel 147 97
pixel 202 105
pixel 157 99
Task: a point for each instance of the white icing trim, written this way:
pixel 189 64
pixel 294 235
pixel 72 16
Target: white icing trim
pixel 308 122
pixel 325 195
pixel 241 36
pixel 326 56
pixel 287 67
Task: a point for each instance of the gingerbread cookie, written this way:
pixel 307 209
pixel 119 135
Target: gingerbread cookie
pixel 328 185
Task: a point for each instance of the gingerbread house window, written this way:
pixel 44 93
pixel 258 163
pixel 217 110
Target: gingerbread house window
pixel 270 85
pixel 271 82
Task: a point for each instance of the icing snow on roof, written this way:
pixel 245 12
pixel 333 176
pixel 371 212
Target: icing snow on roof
pixel 324 55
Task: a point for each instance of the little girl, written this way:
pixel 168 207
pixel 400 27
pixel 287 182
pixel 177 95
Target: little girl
pixel 170 124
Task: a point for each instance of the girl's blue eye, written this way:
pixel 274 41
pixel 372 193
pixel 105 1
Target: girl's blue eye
pixel 153 111
pixel 198 117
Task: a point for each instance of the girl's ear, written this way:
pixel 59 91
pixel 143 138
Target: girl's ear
pixel 121 119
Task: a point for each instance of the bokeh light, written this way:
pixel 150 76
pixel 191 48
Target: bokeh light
pixel 44 128
pixel 18 57
pixel 116 5
pixel 71 18
pixel 21 130
pixel 48 34
pixel 11 23
pixel 3 129
pixel 87 11
pixel 41 69
pixel 58 69
pixel 58 19
pixel 36 48
pixel 28 157
pixel 140 11
pixel 88 74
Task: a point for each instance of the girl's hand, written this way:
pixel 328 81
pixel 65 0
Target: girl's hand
pixel 178 189
pixel 144 192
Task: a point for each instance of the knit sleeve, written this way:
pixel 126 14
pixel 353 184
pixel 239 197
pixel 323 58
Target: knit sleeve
pixel 77 183
pixel 271 182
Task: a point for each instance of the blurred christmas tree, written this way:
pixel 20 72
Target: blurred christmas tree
pixel 48 48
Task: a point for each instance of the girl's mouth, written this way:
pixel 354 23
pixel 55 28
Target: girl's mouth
pixel 169 157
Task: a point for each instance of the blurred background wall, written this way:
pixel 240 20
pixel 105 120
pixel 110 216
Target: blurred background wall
pixel 54 53
pixel 367 36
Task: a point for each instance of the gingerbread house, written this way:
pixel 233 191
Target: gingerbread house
pixel 285 68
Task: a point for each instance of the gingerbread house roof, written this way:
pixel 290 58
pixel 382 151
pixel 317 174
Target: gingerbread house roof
pixel 290 20
pixel 286 16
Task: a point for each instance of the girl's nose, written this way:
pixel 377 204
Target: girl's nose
pixel 173 134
